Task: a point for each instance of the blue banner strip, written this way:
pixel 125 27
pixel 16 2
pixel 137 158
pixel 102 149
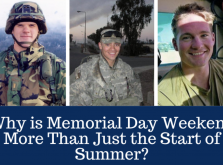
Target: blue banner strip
pixel 111 135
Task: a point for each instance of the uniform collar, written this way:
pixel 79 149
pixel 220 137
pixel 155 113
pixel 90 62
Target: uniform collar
pixel 25 58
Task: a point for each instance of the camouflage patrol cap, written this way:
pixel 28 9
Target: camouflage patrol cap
pixel 26 11
pixel 112 38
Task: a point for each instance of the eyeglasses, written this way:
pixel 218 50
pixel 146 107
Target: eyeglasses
pixel 110 33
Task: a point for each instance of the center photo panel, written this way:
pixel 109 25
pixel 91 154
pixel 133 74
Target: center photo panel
pixel 111 53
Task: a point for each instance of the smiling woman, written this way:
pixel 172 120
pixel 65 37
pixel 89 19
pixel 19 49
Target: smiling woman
pixel 105 80
pixel 132 45
pixel 110 51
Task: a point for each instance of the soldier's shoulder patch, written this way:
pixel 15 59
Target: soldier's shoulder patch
pixel 88 58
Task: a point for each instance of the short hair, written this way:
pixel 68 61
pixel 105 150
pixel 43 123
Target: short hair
pixel 192 8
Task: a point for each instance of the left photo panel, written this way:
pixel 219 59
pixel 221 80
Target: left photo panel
pixel 33 53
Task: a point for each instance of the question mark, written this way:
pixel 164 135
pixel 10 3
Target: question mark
pixel 145 153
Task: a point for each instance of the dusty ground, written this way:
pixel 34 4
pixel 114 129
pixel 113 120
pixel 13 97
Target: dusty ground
pixel 146 78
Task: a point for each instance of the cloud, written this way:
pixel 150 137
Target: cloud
pixel 97 12
pixel 94 9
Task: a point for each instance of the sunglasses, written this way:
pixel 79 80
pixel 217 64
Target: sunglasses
pixel 110 33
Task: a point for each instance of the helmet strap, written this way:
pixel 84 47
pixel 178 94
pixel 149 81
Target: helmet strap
pixel 21 43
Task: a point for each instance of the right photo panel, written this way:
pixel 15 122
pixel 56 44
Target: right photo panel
pixel 190 42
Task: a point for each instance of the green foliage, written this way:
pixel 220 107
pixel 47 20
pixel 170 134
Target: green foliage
pixel 132 16
pixel 95 36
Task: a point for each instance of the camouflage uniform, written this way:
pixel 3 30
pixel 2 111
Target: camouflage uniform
pixel 96 83
pixel 33 77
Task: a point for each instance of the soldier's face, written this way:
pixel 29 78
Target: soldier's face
pixel 110 51
pixel 25 32
pixel 194 41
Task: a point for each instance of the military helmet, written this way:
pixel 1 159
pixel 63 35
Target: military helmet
pixel 26 11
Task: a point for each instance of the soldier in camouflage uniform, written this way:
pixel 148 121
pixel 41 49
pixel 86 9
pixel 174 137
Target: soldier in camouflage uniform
pixel 29 75
pixel 105 80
